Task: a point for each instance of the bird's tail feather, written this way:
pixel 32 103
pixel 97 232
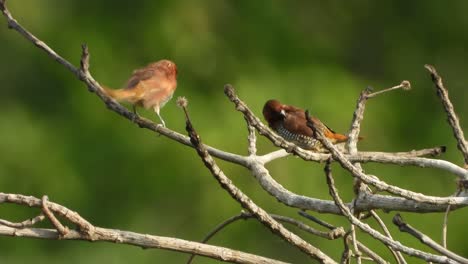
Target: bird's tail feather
pixel 342 138
pixel 120 94
pixel 339 137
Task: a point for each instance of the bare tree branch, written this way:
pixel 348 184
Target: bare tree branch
pixel 25 223
pixel 356 251
pixel 374 233
pixel 452 117
pixel 398 256
pixel 63 230
pixel 355 128
pixel 363 203
pixel 374 181
pixel 444 227
pixel 362 247
pixel 252 140
pixel 351 146
pixel 404 227
pixel 333 234
pixel 317 220
pixel 143 241
pixel 346 255
pixel 247 203
pixel 405 85
pixel 118 236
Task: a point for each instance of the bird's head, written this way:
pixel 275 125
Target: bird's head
pixel 273 111
pixel 168 67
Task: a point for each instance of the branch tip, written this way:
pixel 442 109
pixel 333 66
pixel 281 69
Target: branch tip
pixel 182 102
pixel 406 85
pixel 398 220
pixel 430 68
pixel 229 90
pixel 443 149
pixel 193 135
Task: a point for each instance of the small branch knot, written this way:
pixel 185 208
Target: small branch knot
pixel 84 62
pixel 462 184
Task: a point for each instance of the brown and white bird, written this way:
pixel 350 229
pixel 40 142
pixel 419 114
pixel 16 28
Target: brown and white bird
pixel 291 124
pixel 150 87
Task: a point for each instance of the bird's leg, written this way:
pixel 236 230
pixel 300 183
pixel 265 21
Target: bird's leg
pixel 134 112
pixel 156 109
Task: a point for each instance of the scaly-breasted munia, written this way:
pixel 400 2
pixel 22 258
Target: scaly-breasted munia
pixel 150 87
pixel 291 124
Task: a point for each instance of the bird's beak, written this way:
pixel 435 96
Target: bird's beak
pixel 282 112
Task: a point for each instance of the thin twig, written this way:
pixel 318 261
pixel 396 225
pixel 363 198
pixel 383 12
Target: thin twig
pixel 25 223
pixel 362 156
pixel 346 255
pixel 404 227
pixel 374 233
pixel 361 246
pixel 405 85
pixel 63 230
pixel 13 24
pixel 216 230
pixel 351 144
pixel 444 227
pixel 397 255
pixel 316 220
pixel 247 203
pixel 354 243
pixel 252 139
pixel 355 127
pixel 452 117
pixel 333 234
pixel 71 216
pixel 336 233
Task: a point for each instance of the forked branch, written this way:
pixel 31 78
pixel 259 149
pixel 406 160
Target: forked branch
pixel 115 236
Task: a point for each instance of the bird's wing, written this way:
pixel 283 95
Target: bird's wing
pixel 321 125
pixel 296 123
pixel 140 75
pixel 328 132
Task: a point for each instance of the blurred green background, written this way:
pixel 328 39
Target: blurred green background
pixel 58 139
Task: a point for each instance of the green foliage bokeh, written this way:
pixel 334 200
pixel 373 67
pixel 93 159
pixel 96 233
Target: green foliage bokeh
pixel 60 140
